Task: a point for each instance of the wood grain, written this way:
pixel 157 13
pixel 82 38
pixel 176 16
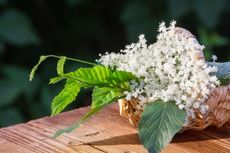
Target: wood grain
pixel 107 132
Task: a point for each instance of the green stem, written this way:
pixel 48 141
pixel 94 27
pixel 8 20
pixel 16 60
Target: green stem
pixel 73 59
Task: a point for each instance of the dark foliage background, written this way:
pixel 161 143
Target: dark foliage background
pixel 82 29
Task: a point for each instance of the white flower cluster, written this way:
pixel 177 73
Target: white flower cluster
pixel 170 69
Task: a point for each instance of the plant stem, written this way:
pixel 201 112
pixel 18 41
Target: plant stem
pixel 73 59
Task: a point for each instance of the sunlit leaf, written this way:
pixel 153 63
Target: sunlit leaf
pixel 56 80
pixel 92 76
pixel 65 97
pixel 32 73
pixel 104 95
pixel 99 103
pixel 60 65
pixel 101 76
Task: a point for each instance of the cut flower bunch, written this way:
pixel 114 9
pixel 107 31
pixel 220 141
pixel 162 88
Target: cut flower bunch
pixel 162 87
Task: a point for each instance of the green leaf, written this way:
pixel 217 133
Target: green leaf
pixel 92 76
pixel 60 78
pixel 78 123
pixel 65 97
pixel 223 73
pixel 17 29
pixel 102 76
pixel 32 73
pixel 160 121
pixel 103 96
pixel 55 80
pixel 122 78
pixel 60 65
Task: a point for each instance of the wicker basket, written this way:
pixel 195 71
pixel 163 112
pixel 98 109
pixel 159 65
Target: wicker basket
pixel 218 101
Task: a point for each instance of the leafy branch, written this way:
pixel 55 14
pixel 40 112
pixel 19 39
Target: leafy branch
pixel 108 86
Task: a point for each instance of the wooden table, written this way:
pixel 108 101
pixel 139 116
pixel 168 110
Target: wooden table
pixel 105 133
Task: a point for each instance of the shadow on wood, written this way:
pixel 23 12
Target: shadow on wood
pixel 187 136
pixel 131 139
pixel 211 133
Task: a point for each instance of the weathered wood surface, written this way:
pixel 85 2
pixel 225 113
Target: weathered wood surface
pixel 105 133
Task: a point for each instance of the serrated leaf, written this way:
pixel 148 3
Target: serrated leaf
pixel 160 121
pixel 65 97
pixel 102 76
pixel 60 65
pixel 103 96
pixel 92 76
pixel 223 72
pixel 32 73
pixel 78 123
pixel 122 78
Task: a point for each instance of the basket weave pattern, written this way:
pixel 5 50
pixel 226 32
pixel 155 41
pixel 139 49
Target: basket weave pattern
pixel 217 114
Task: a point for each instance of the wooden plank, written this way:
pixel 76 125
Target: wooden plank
pixel 107 132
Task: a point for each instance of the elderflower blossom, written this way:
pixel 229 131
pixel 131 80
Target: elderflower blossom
pixel 168 69
pixel 214 58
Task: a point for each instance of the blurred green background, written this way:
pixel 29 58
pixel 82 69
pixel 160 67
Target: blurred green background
pixel 83 29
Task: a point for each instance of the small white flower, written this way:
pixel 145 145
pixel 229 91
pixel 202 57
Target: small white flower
pixel 128 96
pixel 196 105
pixel 181 106
pixel 214 58
pixel 167 69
